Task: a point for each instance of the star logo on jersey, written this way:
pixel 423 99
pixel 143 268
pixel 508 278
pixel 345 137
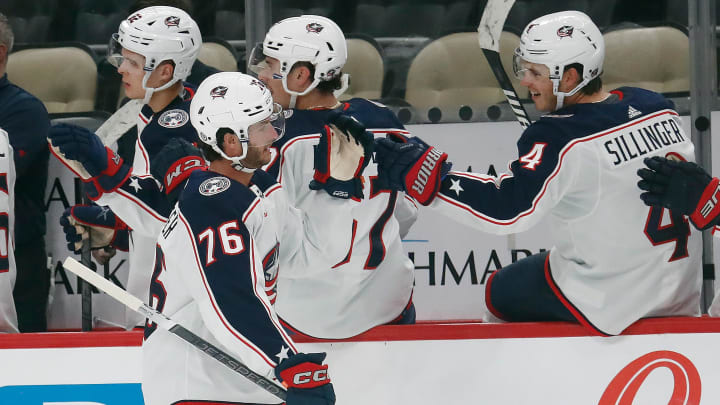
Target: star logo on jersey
pixel 283 354
pixel 314 27
pixel 135 184
pixel 632 113
pixel 565 31
pixel 172 21
pixel 218 92
pixel 456 186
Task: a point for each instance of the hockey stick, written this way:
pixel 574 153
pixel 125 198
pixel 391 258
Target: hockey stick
pixel 489 30
pixel 85 287
pixel 171 326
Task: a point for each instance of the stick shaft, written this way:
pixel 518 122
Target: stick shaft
pixel 489 31
pixel 173 327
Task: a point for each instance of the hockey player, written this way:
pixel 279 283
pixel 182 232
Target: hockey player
pixel 300 60
pixel 154 50
pixel 614 261
pixel 8 317
pixel 218 247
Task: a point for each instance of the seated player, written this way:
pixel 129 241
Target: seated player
pixel 614 261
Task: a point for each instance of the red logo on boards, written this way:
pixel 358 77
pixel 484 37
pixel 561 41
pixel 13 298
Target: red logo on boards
pixel 687 386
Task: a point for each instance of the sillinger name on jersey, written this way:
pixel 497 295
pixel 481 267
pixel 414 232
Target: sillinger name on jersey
pixel 642 137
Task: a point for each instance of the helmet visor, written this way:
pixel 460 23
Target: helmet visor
pixel 114 55
pixel 257 62
pixel 522 68
pixel 269 130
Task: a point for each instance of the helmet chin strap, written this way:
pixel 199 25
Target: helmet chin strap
pixel 236 161
pixel 149 91
pixel 561 95
pixel 345 80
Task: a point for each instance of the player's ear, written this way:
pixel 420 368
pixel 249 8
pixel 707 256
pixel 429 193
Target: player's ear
pixel 570 78
pixel 166 71
pixel 301 74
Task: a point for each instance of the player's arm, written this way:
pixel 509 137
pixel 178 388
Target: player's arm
pixel 509 203
pixel 140 201
pixel 682 187
pixel 227 283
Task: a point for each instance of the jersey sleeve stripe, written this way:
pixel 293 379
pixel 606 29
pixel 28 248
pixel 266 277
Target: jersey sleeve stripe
pixel 287 145
pixel 380 131
pixel 140 204
pixel 249 211
pixel 543 189
pixel 273 189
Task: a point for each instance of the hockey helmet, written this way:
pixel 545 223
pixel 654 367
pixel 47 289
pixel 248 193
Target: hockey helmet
pixel 308 38
pixel 558 40
pixel 235 101
pixel 159 34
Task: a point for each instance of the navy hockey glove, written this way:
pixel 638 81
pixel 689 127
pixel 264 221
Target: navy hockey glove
pixel 173 164
pixel 306 379
pixel 98 223
pixel 682 187
pixel 344 150
pixel 411 165
pixel 101 163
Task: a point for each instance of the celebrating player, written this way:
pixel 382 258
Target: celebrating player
pixel 614 261
pixel 217 256
pixel 154 50
pixel 300 60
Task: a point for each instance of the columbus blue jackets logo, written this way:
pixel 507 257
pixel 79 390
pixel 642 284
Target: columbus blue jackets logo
pixel 172 21
pixel 214 186
pixel 173 118
pixel 218 91
pixel 314 27
pixel 565 31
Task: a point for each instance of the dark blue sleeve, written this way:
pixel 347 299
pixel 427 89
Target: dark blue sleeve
pixel 27 126
pixel 512 201
pixel 234 274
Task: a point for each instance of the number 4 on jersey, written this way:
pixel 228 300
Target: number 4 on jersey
pixel 534 157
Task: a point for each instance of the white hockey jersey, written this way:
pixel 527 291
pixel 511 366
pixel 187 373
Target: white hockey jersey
pixel 140 202
pixel 215 270
pixel 372 284
pixel 8 272
pixel 614 260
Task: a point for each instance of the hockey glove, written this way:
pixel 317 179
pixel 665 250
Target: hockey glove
pixel 102 164
pixel 173 164
pixel 682 187
pixel 306 379
pixel 411 165
pixel 344 150
pixel 104 229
